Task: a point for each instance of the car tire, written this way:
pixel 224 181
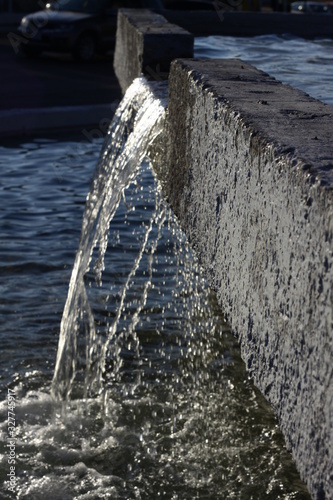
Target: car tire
pixel 85 47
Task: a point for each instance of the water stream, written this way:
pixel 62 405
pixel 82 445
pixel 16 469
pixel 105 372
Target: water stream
pixel 134 127
pixel 149 397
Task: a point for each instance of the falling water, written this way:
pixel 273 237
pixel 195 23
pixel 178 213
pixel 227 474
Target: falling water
pixel 137 122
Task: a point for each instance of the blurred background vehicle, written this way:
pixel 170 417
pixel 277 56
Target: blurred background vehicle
pixel 82 27
pixel 85 27
pixel 311 8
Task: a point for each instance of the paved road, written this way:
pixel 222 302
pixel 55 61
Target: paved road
pixel 54 80
pixel 54 92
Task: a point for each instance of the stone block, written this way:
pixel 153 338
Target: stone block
pixel 247 165
pixel 146 44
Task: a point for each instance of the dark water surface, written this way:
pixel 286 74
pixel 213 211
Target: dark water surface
pixel 42 193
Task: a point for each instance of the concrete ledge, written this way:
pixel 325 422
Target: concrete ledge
pixel 16 122
pixel 146 44
pixel 247 165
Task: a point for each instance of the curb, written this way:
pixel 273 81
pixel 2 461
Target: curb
pixel 16 122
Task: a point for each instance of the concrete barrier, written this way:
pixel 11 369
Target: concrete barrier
pixel 247 165
pixel 32 121
pixel 146 44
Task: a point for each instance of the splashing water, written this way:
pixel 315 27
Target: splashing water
pixel 137 122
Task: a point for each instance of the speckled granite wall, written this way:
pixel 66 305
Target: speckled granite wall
pixel 247 164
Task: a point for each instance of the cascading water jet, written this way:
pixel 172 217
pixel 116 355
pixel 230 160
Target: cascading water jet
pixel 136 123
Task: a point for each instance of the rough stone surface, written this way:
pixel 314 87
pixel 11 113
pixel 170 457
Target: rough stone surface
pixel 247 164
pixel 146 44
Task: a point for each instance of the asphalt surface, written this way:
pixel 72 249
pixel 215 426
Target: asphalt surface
pixel 54 80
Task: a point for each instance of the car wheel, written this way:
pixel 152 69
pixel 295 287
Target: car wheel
pixel 85 47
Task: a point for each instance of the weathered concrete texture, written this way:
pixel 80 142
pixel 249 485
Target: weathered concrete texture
pixel 146 44
pixel 247 165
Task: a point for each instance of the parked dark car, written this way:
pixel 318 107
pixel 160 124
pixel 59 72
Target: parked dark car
pixel 311 8
pixel 85 27
pixel 82 27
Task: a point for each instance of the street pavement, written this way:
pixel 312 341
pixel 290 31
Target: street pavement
pixel 53 91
